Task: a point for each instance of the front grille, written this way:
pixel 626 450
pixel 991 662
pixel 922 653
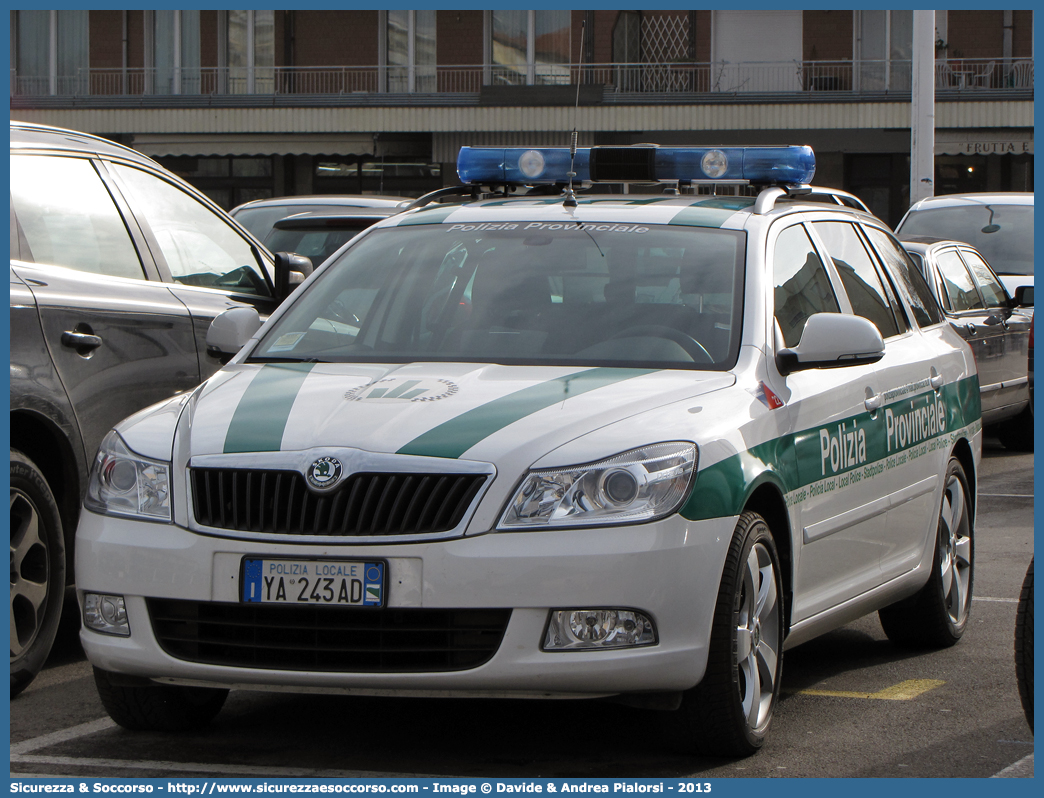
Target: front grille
pixel 327 639
pixel 250 500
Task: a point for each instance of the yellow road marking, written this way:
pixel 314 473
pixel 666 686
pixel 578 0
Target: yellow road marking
pixel 903 691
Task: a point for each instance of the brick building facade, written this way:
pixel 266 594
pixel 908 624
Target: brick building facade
pixel 368 100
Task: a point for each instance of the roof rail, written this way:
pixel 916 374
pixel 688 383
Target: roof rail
pixel 431 196
pixel 766 200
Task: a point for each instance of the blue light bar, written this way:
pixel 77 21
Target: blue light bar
pixel 550 165
pixel 523 165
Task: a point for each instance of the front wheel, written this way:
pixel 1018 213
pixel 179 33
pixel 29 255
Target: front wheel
pixel 1024 645
pixel 37 570
pixel 937 615
pixel 729 711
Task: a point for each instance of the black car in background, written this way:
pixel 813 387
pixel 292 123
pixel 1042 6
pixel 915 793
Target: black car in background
pixel 319 234
pixel 117 269
pixel 260 216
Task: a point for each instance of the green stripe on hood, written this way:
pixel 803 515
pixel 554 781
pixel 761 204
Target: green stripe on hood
pixel 456 436
pixel 710 213
pixel 260 418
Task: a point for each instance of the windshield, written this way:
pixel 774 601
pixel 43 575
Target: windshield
pixel 532 293
pixel 260 221
pixel 1002 233
pixel 315 244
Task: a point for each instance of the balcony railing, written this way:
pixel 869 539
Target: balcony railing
pixel 791 77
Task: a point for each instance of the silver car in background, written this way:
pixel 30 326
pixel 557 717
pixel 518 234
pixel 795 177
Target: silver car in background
pixel 996 327
pixel 999 225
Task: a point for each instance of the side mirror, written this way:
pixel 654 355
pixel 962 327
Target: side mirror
pixel 230 330
pixel 832 340
pixel 1024 296
pixel 291 270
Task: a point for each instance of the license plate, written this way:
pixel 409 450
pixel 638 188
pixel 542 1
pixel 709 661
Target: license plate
pixel 337 583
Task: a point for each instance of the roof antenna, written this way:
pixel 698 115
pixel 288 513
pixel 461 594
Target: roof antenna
pixel 570 197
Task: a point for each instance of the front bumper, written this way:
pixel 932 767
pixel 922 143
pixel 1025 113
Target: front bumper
pixel 669 569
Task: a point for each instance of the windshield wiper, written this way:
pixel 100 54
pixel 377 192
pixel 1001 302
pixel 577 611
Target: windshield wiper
pixel 269 359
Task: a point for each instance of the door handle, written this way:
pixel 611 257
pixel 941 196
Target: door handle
pixel 971 328
pixel 873 402
pixel 80 341
pixel 937 381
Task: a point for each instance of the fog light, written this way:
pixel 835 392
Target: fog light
pixel 598 629
pixel 105 614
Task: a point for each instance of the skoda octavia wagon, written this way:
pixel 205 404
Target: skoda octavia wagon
pixel 538 442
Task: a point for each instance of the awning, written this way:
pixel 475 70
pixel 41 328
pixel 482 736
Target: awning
pixel 984 142
pixel 445 146
pixel 256 144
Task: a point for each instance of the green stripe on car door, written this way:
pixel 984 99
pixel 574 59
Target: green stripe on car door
pixel 454 437
pixel 797 460
pixel 260 417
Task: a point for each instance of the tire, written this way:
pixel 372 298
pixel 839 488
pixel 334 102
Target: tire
pixel 937 615
pixel 729 711
pixel 157 707
pixel 1017 434
pixel 37 570
pixel 1024 646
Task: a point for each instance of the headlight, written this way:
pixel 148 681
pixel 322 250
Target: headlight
pixel 124 483
pixel 640 485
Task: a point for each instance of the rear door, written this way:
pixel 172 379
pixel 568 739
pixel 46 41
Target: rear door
pixel 924 401
pixel 118 340
pixel 836 551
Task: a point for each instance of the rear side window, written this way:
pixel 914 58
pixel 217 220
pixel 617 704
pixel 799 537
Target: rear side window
pixel 69 218
pixel 908 280
pixel 802 285
pixel 957 283
pixel 992 291
pixel 858 275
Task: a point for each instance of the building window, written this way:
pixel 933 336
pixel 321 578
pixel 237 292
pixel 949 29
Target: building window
pixel 402 175
pixel 409 50
pixel 530 47
pixel 250 51
pixel 52 51
pixel 228 181
pixel 883 48
pixel 172 51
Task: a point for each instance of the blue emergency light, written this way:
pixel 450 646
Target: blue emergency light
pixel 788 165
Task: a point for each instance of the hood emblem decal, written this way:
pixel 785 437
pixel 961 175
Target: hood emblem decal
pixel 324 472
pixel 398 389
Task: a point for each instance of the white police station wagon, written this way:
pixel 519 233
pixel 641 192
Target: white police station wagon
pixel 549 445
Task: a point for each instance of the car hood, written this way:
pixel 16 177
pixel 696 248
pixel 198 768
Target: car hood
pixel 490 413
